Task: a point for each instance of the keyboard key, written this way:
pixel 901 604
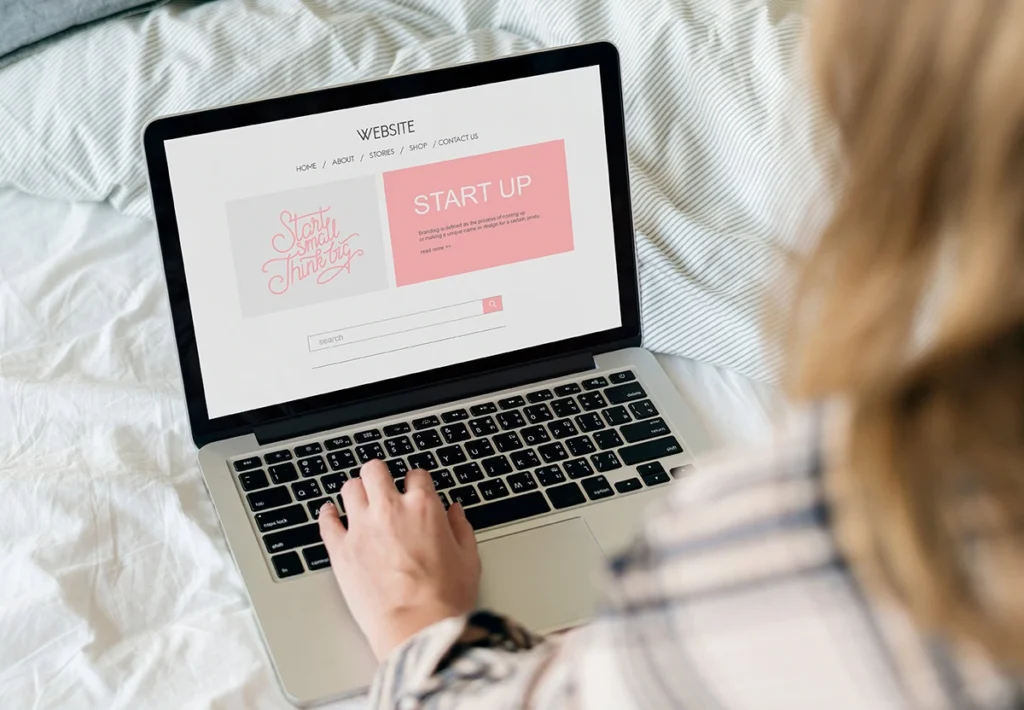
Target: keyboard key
pixel 589 422
pixel 508 510
pixel 579 468
pixel 283 472
pixel 442 479
pixel 649 429
pixel 597 488
pixel 524 459
pixel 497 466
pixel 549 475
pixel 478 410
pixel 399 446
pixel 468 472
pixel 656 478
pixel 521 482
pixel 628 392
pixel 444 501
pixel 253 480
pixel 354 473
pixel 269 498
pixel 424 460
pixel 581 446
pixel 451 455
pixel 591 401
pixel 287 565
pixel 507 442
pixel 338 442
pixel 305 490
pixel 368 452
pixel 562 428
pixel 479 448
pixel 511 402
pixel 565 407
pixel 396 429
pixel 539 396
pixel 466 496
pixel 313 466
pixel 607 439
pixel 617 378
pixel 333 482
pixel 292 538
pixel 308 449
pixel 425 422
pixel 566 390
pixel 605 461
pixel 314 507
pixel 511 420
pixel 565 495
pixel 397 468
pixel 362 437
pixel 537 413
pixel 616 416
pixel 646 469
pixel 649 450
pixel 594 383
pixel 493 489
pixel 483 426
pixel 427 439
pixel 277 456
pixel 340 460
pixel 630 484
pixel 454 433
pixel 280 518
pixel 400 485
pixel 316 557
pixel 247 464
pixel 552 452
pixel 456 415
pixel 534 435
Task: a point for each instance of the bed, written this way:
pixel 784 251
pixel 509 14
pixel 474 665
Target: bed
pixel 116 586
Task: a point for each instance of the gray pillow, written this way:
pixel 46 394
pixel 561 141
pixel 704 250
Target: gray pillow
pixel 27 23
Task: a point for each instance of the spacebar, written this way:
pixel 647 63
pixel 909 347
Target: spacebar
pixel 507 510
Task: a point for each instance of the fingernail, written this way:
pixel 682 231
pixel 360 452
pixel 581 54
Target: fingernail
pixel 324 507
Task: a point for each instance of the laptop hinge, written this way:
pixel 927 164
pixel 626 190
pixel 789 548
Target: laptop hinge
pixel 433 395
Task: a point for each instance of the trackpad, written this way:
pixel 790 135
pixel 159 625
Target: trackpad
pixel 545 578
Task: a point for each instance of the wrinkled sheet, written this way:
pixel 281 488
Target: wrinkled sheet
pixel 116 586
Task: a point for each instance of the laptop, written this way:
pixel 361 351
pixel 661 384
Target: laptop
pixel 437 270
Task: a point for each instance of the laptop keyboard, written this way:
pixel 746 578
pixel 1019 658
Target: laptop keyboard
pixel 504 461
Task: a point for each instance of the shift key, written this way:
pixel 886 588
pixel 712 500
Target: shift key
pixel 292 538
pixel 649 450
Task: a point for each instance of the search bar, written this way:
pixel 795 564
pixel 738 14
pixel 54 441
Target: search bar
pixel 419 323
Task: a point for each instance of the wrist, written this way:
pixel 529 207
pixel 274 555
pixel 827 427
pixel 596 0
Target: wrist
pixel 402 624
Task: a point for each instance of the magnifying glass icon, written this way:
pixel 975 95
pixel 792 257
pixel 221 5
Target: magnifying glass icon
pixel 492 304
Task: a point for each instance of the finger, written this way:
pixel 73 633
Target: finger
pixel 353 496
pixel 331 529
pixel 420 480
pixel 377 481
pixel 461 528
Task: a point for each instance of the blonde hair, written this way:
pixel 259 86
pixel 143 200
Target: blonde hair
pixel 928 98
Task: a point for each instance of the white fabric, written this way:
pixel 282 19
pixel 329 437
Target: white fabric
pixel 728 156
pixel 116 587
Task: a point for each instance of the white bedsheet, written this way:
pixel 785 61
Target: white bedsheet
pixel 116 587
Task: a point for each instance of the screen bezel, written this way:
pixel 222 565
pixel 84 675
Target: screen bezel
pixel 603 55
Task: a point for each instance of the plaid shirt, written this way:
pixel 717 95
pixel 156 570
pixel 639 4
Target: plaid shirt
pixel 735 595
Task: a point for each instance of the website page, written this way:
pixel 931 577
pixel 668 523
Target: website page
pixel 338 249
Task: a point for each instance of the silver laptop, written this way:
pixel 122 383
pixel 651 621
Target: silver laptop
pixel 437 270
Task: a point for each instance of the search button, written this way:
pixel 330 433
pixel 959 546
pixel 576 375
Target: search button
pixel 492 304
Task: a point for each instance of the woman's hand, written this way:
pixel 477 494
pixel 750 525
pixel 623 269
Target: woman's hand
pixel 403 564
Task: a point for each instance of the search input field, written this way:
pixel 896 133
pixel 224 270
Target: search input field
pixel 419 326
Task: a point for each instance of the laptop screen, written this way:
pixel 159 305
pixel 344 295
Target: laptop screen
pixel 350 247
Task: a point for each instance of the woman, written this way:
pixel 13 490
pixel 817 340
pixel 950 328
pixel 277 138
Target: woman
pixel 874 558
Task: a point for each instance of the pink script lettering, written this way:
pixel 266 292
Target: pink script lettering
pixel 311 245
